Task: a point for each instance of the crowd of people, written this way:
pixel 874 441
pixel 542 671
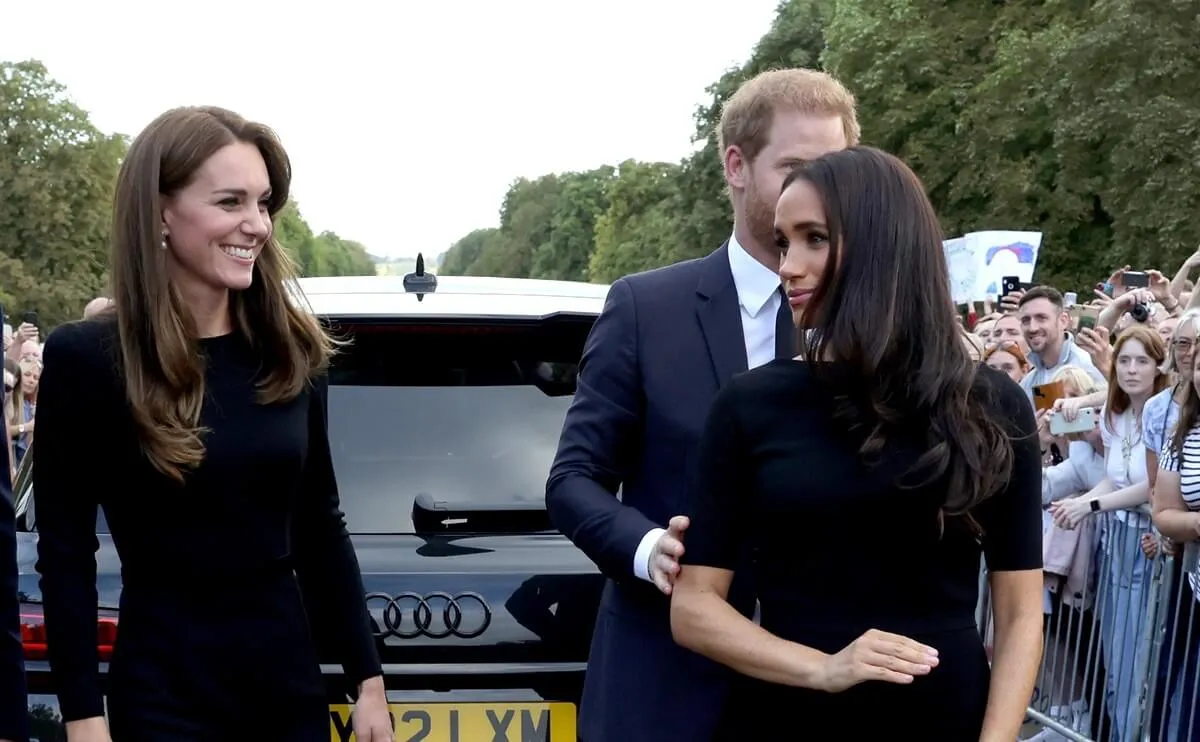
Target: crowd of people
pixel 22 373
pixel 1123 365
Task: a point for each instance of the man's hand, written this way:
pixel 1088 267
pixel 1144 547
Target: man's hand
pixel 1009 303
pixel 664 559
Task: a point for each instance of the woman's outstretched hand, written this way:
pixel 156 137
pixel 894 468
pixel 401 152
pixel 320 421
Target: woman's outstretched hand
pixel 877 655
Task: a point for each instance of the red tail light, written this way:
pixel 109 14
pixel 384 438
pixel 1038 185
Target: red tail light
pixel 33 633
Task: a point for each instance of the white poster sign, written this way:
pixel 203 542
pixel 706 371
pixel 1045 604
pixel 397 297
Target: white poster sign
pixel 978 261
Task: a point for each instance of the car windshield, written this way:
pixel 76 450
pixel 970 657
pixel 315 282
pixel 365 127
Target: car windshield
pixel 467 415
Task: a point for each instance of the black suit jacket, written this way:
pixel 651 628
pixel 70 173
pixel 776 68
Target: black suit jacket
pixel 14 720
pixel 665 343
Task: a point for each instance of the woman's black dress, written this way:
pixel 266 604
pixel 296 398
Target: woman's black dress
pixel 839 549
pixel 218 574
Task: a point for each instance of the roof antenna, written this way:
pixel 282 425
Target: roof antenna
pixel 419 282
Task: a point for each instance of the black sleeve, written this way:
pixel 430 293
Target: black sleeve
pixel 14 721
pixel 67 457
pixel 326 564
pixel 716 499
pixel 1012 518
pixel 600 443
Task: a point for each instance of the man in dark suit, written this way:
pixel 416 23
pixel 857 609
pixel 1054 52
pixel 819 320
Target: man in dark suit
pixel 665 343
pixel 14 720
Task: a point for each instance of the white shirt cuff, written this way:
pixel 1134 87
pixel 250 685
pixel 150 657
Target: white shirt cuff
pixel 641 558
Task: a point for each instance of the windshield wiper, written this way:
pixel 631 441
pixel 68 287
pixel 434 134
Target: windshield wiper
pixel 430 516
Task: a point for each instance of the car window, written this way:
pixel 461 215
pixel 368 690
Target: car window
pixel 468 416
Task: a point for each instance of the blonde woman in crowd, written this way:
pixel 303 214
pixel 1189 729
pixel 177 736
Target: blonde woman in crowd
pixel 23 408
pixel 1069 563
pixel 983 328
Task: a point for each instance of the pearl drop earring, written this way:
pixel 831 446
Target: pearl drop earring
pixel 163 245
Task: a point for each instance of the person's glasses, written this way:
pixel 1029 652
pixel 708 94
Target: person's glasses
pixel 1184 345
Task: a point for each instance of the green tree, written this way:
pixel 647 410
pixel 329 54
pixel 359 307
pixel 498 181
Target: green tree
pixel 546 230
pixel 457 260
pixel 565 253
pixel 702 212
pixel 325 254
pixel 637 231
pixel 57 172
pixel 1071 117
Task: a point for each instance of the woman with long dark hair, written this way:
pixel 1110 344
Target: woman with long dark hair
pixel 193 412
pixel 867 477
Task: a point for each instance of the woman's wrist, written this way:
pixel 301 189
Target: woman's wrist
pixel 372 686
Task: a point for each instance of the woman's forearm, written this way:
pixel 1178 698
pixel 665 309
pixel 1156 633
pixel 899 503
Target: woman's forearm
pixel 1179 282
pixel 706 624
pixel 1095 399
pixel 1017 654
pixel 1126 497
pixel 1177 525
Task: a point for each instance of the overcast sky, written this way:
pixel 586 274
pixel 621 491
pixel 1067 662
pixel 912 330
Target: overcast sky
pixel 405 121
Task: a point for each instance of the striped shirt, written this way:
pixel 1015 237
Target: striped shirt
pixel 1186 464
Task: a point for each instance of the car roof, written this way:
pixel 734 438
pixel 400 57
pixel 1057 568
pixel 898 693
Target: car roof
pixel 455 296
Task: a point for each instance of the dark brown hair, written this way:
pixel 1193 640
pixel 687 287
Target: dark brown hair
pixel 163 369
pixel 1053 295
pixel 880 318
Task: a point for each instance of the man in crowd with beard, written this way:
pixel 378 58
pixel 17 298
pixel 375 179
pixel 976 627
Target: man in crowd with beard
pixel 665 343
pixel 1045 323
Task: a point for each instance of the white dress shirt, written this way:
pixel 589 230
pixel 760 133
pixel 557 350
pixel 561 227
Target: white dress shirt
pixel 758 299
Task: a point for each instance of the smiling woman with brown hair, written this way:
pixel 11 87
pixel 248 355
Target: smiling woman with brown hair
pixel 867 477
pixel 206 382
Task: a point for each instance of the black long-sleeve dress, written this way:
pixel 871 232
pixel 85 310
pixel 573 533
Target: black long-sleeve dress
pixel 214 639
pixel 840 550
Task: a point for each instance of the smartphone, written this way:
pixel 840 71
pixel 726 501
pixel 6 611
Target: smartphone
pixel 30 318
pixel 1083 423
pixel 1135 279
pixel 1045 395
pixel 1087 317
pixel 1009 284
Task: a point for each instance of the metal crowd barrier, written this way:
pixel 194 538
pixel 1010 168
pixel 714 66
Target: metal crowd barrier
pixel 1121 640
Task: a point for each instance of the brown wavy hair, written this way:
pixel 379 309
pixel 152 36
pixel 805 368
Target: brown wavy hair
pixel 880 317
pixel 163 368
pixel 1118 400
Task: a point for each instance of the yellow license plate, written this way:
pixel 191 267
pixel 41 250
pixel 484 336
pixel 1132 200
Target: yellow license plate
pixel 468 722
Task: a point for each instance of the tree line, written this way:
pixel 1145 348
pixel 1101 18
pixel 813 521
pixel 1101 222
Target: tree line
pixel 57 174
pixel 1076 118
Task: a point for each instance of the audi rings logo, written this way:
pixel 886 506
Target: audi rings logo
pixel 435 615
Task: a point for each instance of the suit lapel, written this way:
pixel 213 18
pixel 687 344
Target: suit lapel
pixel 720 318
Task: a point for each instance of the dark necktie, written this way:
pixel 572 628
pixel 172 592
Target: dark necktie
pixel 785 331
